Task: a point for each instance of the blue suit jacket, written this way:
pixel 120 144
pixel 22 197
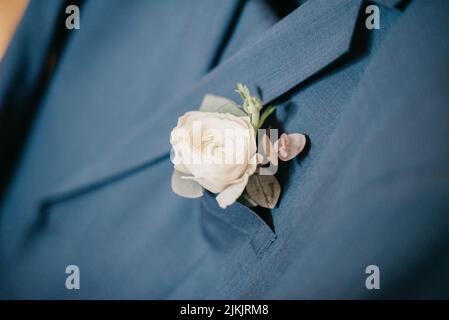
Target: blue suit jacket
pixel 92 184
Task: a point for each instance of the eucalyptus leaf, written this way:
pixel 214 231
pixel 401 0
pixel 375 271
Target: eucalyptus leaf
pixel 264 190
pixel 213 103
pixel 290 145
pixel 232 109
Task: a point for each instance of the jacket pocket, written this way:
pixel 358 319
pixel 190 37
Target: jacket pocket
pixel 225 225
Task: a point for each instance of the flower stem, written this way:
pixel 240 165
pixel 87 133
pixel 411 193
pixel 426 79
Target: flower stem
pixel 265 115
pixel 255 120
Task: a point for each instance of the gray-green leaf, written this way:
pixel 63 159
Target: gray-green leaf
pixel 264 190
pixel 213 103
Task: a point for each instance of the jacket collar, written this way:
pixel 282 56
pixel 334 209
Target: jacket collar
pixel 299 46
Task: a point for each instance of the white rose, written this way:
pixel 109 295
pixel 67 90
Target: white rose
pixel 214 151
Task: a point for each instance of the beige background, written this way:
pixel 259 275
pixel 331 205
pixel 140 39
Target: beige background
pixel 11 12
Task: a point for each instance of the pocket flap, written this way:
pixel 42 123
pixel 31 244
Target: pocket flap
pixel 242 219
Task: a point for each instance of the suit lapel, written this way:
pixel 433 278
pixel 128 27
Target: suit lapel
pixel 24 73
pixel 390 3
pixel 299 46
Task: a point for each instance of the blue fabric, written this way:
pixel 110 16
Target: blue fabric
pixel 23 74
pixel 93 184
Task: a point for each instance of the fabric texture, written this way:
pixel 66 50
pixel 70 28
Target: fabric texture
pixel 92 187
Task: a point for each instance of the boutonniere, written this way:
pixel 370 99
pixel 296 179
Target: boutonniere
pixel 224 149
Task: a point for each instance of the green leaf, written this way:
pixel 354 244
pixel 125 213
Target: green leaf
pixel 268 111
pixel 232 109
pixel 213 103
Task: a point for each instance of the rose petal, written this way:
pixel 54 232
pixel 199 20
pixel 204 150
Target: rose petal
pixel 229 195
pixel 185 187
pixel 289 146
pixel 257 159
pixel 269 150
